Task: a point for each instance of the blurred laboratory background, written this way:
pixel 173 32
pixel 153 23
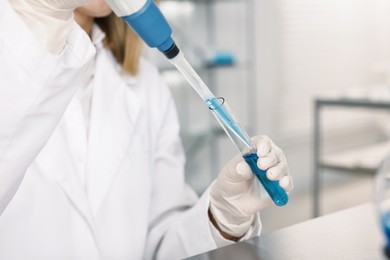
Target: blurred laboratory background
pixel 312 75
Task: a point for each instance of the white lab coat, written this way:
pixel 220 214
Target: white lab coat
pixel 134 203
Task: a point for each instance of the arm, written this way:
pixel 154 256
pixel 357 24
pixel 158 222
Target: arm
pixel 180 226
pixel 35 88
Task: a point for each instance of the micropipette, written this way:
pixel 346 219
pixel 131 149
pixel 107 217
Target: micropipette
pixel 144 17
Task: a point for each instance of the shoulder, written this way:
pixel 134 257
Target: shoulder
pixel 151 80
pixel 148 83
pixel 146 67
pixel 150 76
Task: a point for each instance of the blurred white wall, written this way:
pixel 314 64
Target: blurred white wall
pixel 310 48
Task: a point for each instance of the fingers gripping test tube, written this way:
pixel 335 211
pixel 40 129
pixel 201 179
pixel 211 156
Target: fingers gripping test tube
pixel 277 194
pixel 239 137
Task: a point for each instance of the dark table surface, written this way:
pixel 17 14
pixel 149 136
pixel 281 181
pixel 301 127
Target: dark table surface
pixel 353 233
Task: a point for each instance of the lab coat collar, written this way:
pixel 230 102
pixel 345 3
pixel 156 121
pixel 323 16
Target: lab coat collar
pixel 128 79
pixel 114 114
pixel 65 170
pixel 97 36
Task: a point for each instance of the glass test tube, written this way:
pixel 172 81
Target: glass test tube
pixel 240 138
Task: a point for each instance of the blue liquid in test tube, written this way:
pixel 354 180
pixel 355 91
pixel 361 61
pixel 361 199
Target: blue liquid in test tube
pixel 385 219
pixel 277 193
pixel 240 138
pixel 226 119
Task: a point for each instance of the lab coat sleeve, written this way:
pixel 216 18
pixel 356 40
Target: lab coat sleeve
pixel 179 222
pixel 254 230
pixel 35 88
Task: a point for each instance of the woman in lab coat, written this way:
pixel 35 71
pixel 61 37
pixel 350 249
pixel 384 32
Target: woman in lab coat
pixel 91 164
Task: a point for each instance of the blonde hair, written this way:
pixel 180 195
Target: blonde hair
pixel 123 42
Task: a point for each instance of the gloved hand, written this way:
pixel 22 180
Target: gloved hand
pixel 50 20
pixel 236 194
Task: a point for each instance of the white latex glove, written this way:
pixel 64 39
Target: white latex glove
pixel 236 195
pixel 50 20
